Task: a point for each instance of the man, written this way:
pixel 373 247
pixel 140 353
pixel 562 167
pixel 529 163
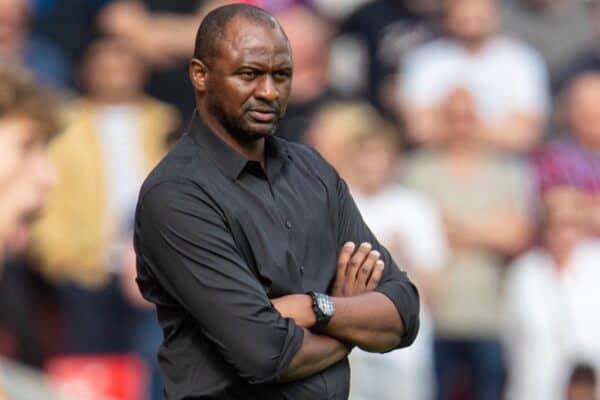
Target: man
pixel 28 120
pixel 507 78
pixel 482 196
pixel 567 168
pixel 115 134
pixel 18 44
pixel 542 346
pixel 235 226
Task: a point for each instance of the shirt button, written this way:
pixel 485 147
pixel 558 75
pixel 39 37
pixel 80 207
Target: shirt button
pixel 302 269
pixel 288 224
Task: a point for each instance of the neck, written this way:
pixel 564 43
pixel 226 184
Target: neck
pixel 474 45
pixel 251 149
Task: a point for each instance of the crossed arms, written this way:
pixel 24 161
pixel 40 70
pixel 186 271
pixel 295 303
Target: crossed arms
pixel 363 318
pixel 184 241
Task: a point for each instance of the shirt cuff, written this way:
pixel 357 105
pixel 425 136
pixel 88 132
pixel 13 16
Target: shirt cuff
pixel 291 347
pixel 405 297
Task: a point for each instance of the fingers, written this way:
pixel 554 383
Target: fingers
pixel 357 260
pixel 376 275
pixel 342 266
pixel 366 269
pixel 344 257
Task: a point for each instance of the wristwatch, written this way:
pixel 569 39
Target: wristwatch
pixel 323 308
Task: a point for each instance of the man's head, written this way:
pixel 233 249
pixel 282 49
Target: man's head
pixel 241 71
pixel 582 383
pixel 459 115
pixel 27 121
pixel 471 22
pixel 111 71
pixel 311 51
pixel 582 111
pixel 14 20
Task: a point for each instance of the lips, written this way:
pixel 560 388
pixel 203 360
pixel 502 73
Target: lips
pixel 263 114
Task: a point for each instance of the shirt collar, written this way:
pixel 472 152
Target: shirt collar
pixel 229 161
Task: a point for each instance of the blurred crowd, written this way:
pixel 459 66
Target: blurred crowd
pixel 467 130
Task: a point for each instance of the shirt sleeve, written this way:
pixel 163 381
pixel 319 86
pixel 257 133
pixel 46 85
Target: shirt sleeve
pixel 183 239
pixel 423 76
pixel 394 283
pixel 528 78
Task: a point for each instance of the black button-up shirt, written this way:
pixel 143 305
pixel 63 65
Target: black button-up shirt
pixel 217 236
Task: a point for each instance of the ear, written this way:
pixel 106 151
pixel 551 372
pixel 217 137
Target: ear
pixel 198 74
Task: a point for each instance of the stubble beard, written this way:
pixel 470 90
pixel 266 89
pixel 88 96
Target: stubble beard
pixel 237 127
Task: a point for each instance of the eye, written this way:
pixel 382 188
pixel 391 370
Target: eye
pixel 282 75
pixel 248 75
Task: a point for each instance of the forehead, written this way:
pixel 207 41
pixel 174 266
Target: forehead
pixel 247 39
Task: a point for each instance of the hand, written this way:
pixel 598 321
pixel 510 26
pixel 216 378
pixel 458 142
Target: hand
pixel 298 307
pixel 357 273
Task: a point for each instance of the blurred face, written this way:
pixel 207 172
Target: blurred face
pixel 374 162
pixel 26 174
pixel 581 391
pixel 460 119
pixel 112 73
pixel 471 21
pixel 247 84
pixel 583 110
pixel 311 51
pixel 14 15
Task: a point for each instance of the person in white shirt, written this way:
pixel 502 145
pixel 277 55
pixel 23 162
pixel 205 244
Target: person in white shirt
pixel 551 312
pixel 364 149
pixel 507 77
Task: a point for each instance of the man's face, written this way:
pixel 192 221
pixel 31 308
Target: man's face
pixel 112 72
pixel 26 174
pixel 582 110
pixel 471 21
pixel 249 79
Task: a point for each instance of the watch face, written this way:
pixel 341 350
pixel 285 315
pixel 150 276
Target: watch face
pixel 326 305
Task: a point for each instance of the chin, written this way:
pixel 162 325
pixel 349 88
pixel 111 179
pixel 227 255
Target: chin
pixel 261 130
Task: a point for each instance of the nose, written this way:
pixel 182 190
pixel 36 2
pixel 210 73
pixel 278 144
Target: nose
pixel 266 89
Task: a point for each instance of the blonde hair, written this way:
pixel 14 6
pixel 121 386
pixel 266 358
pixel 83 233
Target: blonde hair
pixel 21 95
pixel 359 122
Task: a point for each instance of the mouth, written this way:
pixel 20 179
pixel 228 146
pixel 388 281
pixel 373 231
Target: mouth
pixel 263 115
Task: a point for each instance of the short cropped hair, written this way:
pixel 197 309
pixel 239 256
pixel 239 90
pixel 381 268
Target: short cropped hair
pixel 214 27
pixel 21 95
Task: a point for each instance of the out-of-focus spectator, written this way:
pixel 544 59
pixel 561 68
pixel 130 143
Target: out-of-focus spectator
pixel 583 383
pixel 569 165
pixel 162 32
pixel 483 201
pixel 28 120
pixel 551 313
pixel 406 221
pixel 371 43
pixel 507 78
pixel 558 29
pixel 310 86
pixel 18 45
pixel 114 136
pixel 332 136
